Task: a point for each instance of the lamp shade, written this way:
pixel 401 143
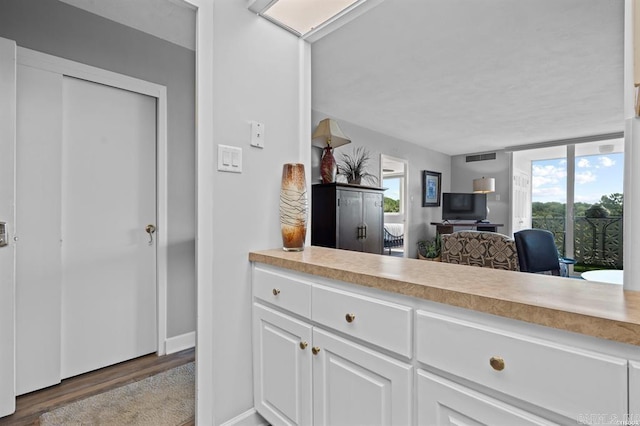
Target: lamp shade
pixel 484 185
pixel 329 133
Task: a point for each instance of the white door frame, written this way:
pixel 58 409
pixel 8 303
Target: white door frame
pixel 405 197
pixel 205 158
pixel 7 213
pixel 69 68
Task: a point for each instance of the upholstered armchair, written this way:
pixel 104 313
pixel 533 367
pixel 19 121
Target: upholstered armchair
pixel 479 248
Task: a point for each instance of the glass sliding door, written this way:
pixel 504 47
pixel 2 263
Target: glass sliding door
pixel 549 193
pixel 598 200
pixel 577 194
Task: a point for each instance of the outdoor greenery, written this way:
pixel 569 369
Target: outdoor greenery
pixel 597 232
pixel 391 205
pixel 612 202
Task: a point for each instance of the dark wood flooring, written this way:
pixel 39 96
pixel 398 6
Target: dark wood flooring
pixel 29 407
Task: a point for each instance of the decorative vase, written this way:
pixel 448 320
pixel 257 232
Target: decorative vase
pixel 293 207
pixel 328 166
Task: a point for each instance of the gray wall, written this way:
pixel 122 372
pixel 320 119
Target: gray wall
pixel 418 225
pixel 58 29
pixel 463 174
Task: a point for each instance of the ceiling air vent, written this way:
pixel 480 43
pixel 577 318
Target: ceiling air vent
pixel 481 157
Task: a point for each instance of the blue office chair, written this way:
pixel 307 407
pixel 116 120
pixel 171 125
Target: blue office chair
pixel 537 252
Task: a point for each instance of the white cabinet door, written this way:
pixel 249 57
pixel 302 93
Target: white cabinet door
pixel 281 367
pixel 441 402
pixel 353 385
pixel 634 391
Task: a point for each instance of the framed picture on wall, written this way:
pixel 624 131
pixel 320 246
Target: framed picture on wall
pixel 431 188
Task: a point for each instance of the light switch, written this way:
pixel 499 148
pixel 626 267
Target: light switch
pixel 229 159
pixel 257 134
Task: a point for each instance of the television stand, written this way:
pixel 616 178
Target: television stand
pixel 449 227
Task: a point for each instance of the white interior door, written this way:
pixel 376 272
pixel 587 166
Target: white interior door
pixel 7 215
pixel 108 198
pixel 521 196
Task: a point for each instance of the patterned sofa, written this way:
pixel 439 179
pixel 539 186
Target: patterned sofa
pixel 479 248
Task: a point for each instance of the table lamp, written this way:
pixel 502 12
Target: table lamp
pixel 328 136
pixel 484 185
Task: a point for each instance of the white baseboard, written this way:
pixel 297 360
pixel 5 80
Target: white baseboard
pixel 248 418
pixel 180 343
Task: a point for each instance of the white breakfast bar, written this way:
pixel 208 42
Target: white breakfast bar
pixel 347 338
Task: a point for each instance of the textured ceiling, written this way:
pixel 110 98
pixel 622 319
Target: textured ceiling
pixel 468 76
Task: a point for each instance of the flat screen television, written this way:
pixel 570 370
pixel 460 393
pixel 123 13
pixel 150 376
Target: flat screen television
pixel 459 206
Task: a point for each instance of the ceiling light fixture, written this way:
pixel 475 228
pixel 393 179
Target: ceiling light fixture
pixel 307 17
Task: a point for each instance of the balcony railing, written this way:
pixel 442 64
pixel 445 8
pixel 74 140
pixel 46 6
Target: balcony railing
pixel 598 241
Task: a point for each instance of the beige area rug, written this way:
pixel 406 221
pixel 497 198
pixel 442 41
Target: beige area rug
pixel 167 399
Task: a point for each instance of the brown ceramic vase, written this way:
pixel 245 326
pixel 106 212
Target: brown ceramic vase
pixel 293 207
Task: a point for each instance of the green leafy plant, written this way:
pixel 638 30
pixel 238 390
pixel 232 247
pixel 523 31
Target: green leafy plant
pixel 354 167
pixel 430 248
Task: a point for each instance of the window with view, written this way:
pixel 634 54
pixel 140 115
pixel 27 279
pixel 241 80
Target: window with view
pixel 393 194
pixel 590 180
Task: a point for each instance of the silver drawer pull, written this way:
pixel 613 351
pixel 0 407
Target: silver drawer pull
pixel 350 317
pixel 276 291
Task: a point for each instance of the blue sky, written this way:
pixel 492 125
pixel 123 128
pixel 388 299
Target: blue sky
pixel 393 188
pixel 596 175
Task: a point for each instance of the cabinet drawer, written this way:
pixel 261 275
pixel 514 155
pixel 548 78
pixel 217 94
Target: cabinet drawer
pixel 282 291
pixel 381 323
pixel 442 402
pixel 566 380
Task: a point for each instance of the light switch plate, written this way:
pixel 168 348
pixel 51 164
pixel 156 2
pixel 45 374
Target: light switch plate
pixel 229 159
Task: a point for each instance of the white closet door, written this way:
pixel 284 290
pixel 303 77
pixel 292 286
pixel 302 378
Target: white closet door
pixel 39 135
pixel 108 198
pixel 7 215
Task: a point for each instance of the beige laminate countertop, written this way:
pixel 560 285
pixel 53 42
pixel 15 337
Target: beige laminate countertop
pixel 600 310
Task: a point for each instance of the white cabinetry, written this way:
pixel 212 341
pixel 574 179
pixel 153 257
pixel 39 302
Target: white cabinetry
pixel 282 367
pixel 443 402
pixel 305 374
pixel 331 353
pixel 634 391
pixel 354 385
pixel 562 379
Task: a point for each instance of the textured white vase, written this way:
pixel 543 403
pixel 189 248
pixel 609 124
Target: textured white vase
pixel 293 207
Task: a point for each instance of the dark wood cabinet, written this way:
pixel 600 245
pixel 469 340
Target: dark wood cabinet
pixel 450 227
pixel 347 217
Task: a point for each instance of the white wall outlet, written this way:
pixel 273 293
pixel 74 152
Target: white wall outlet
pixel 229 159
pixel 257 134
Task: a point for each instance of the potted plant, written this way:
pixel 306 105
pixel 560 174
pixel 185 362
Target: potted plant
pixel 430 249
pixel 354 167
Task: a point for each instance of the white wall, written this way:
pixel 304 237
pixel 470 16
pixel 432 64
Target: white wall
pixel 463 174
pixel 418 227
pixel 257 74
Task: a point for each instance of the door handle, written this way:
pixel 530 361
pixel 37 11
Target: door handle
pixel 4 240
pixel 150 229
